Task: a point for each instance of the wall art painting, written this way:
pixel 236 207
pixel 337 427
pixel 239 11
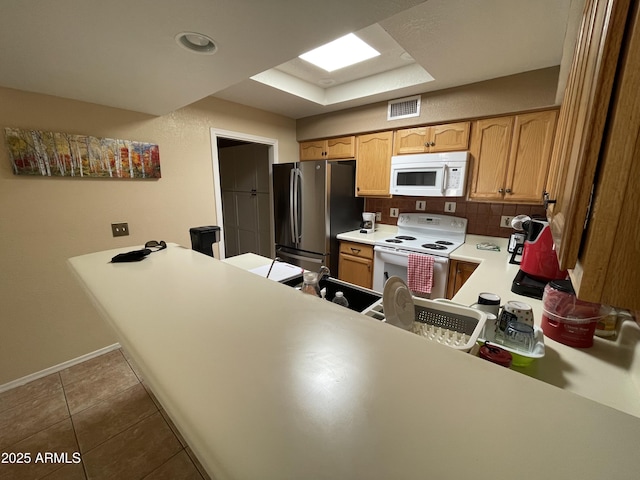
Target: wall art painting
pixel 49 154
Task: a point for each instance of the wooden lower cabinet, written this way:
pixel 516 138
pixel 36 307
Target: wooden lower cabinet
pixel 356 264
pixel 459 273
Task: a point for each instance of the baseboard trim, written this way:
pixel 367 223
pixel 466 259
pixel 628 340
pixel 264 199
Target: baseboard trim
pixel 56 368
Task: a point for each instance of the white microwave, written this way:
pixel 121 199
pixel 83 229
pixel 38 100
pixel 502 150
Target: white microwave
pixel 429 174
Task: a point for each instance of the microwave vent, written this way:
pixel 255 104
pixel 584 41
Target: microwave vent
pixel 404 108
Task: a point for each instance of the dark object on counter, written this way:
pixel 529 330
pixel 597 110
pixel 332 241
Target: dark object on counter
pixel 516 255
pixel 203 238
pixel 133 256
pixel 137 255
pixel 161 245
pixel 495 355
pixel 528 286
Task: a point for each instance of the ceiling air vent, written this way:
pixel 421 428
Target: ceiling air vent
pixel 404 108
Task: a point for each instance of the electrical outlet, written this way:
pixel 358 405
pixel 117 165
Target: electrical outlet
pixel 421 205
pixel 120 229
pixel 378 216
pixel 450 207
pixel 505 221
pixel 394 212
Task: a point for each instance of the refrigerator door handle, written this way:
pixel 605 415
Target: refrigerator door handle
pixel 298 206
pixel 319 261
pixel 292 226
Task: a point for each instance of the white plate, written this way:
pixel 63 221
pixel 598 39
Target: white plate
pixel 397 304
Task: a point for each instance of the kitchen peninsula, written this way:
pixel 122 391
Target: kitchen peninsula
pixel 267 383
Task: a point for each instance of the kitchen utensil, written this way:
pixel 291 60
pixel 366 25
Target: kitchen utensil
pixel 515 239
pixel 518 335
pixel 448 323
pixel 491 322
pixel 488 302
pixel 517 222
pixel 539 257
pixel 495 355
pixel 568 320
pixel 515 311
pixel 520 358
pixel 310 281
pixel 397 303
pixel 539 263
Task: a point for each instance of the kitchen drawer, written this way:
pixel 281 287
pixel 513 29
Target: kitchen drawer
pixel 357 249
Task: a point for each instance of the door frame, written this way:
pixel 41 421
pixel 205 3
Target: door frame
pixel 272 143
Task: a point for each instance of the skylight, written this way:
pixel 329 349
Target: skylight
pixel 340 53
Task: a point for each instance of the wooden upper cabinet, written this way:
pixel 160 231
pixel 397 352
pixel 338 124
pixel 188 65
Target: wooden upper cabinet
pixel 530 155
pixel 313 150
pixel 511 157
pixel 594 222
pixel 436 138
pixel 450 137
pixel 490 146
pixel 583 116
pixel 373 165
pixel 342 148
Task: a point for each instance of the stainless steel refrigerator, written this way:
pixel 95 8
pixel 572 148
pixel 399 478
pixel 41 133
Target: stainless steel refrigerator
pixel 313 202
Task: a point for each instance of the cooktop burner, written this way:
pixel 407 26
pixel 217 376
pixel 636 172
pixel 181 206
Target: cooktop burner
pixel 434 246
pixel 426 233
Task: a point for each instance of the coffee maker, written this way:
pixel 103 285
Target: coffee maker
pixel 539 264
pixel 368 222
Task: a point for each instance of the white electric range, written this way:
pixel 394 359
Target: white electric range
pixel 421 233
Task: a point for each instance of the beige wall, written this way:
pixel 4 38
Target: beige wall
pixel 46 318
pixel 525 91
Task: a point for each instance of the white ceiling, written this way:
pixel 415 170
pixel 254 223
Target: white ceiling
pixel 122 53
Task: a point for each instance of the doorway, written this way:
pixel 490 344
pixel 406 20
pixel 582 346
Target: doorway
pixel 242 167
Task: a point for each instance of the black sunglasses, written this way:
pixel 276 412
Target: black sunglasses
pixel 161 245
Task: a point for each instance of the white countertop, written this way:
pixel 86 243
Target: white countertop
pixel 608 372
pixel 265 382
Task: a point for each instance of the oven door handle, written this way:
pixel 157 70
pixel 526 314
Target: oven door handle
pixel 406 253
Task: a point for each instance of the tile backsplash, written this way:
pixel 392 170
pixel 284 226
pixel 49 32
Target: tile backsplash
pixel 484 218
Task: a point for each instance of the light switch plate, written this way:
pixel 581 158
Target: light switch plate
pixel 120 229
pixel 378 216
pixel 450 207
pixel 394 212
pixel 421 205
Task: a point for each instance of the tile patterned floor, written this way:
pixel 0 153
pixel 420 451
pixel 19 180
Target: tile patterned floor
pixel 102 416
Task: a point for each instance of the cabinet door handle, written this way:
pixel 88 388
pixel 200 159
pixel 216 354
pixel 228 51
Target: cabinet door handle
pixel 433 144
pixel 355 250
pixel 501 190
pixel 547 201
pixel 508 190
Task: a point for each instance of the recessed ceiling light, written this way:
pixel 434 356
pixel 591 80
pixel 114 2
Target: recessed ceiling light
pixel 196 42
pixel 340 53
